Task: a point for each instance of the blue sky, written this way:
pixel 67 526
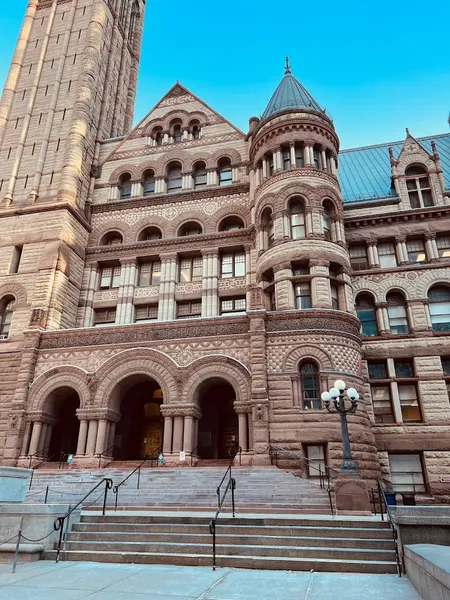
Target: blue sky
pixel 378 67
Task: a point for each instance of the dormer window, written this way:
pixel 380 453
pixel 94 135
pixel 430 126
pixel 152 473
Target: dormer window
pixel 418 186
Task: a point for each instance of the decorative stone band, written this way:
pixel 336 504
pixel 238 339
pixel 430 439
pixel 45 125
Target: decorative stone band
pixel 316 320
pixel 295 173
pixel 181 410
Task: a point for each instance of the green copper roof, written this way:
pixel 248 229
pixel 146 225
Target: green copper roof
pixel 290 94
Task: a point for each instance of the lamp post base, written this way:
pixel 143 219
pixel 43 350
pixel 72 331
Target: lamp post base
pixel 348 467
pixel 352 493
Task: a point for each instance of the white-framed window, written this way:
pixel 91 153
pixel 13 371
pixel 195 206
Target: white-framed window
pixel 381 392
pixel 145 312
pixel 104 316
pixel 110 277
pixel 326 220
pixel 302 295
pixel 387 255
pixel 397 314
pixel 190 229
pixel 297 219
pixel 174 178
pixel 358 258
pixel 407 473
pixel 225 172
pixel 149 273
pixel 189 310
pixel 299 156
pixel 233 306
pixel 233 265
pixel 316 460
pixel 199 175
pixel 112 238
pixel 418 186
pixel 366 313
pixel 286 157
pixel 334 297
pixel 443 246
pixel 416 251
pixel 439 305
pixel 191 269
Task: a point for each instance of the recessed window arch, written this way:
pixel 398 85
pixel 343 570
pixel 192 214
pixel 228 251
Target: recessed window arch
pixel 149 234
pixel 125 186
pixel 189 229
pixel 225 171
pixel 148 182
pixel 174 177
pixel 297 218
pixel 199 174
pixel 231 224
pixel 418 186
pixel 157 135
pixel 328 212
pixel 309 385
pixel 112 238
pixel 268 228
pixel 397 313
pixel 7 306
pixel 439 304
pixel 176 130
pixel 366 312
pixel 194 129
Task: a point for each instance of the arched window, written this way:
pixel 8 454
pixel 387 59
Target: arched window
pixel 231 224
pixel 267 224
pixel 157 135
pixel 439 298
pixel 112 238
pixel 148 183
pixel 328 210
pixel 133 21
pixel 174 177
pixel 149 234
pixel 286 154
pixel 366 311
pixel 199 175
pixel 297 219
pixel 125 186
pixel 189 229
pixel 177 133
pixel 194 128
pixel 309 383
pixel 398 317
pixel 6 314
pixel 418 186
pixel 225 171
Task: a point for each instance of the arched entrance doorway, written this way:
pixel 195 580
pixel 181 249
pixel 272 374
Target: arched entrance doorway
pixel 140 429
pixel 218 428
pixel 62 436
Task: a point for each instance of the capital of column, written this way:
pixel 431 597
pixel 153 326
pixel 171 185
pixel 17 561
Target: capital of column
pixel 107 414
pixel 400 238
pixel 210 252
pixel 168 256
pixel 381 305
pixel 430 235
pixel 127 261
pixel 243 407
pixel 39 416
pixel 181 410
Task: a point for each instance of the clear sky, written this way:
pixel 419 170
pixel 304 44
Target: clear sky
pixel 378 67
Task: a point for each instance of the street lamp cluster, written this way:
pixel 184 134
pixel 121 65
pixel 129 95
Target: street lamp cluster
pixel 337 396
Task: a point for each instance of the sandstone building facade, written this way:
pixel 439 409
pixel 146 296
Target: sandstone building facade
pixel 186 285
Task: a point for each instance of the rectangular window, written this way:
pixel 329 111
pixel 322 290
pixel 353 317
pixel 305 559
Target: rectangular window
pixel 358 258
pixel 302 295
pixel 416 251
pixel 409 402
pixel 233 265
pixel 404 368
pixel 191 269
pixel 406 473
pixel 189 310
pixel 316 460
pixel 146 312
pixel 377 369
pixel 382 405
pixel 386 253
pixel 6 320
pixel 286 159
pixel 110 277
pixel 369 327
pixel 446 366
pixel 104 316
pixel 299 269
pixel 15 260
pixel 149 273
pixel 334 297
pixel 443 246
pixel 398 321
pixel 299 156
pixel 232 306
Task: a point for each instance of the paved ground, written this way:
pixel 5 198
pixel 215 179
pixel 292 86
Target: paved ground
pixel 45 580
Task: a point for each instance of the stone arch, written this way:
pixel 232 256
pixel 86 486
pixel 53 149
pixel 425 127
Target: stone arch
pixel 173 156
pixel 184 116
pixel 152 125
pixel 305 191
pixel 270 201
pixel 201 157
pixel 293 359
pixel 136 361
pixel 115 176
pixel 430 279
pixel 194 216
pixel 231 153
pixel 150 221
pixel 114 225
pixel 379 289
pixel 49 381
pixel 234 210
pixel 14 289
pixel 217 366
pixel 394 289
pixel 145 166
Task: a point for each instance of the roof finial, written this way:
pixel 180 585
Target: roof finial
pixel 287 68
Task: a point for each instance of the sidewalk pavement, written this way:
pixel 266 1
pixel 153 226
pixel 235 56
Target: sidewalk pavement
pixel 45 580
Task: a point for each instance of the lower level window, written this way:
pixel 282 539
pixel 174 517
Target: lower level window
pixel 309 380
pixel 382 405
pixel 147 312
pixel 302 295
pixel 232 306
pixel 5 320
pixel 189 310
pixel 406 473
pixel 409 402
pixel 104 316
pixel 316 460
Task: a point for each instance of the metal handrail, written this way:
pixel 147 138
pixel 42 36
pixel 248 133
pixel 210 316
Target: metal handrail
pixel 191 453
pixel 325 473
pixel 37 454
pixel 150 457
pixel 37 467
pixel 393 526
pixel 104 453
pixel 230 485
pixel 59 523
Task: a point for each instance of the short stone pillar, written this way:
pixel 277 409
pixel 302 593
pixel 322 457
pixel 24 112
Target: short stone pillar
pixel 13 484
pixel 351 494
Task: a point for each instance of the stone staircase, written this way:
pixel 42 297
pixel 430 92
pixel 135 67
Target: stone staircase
pixel 266 489
pixel 294 542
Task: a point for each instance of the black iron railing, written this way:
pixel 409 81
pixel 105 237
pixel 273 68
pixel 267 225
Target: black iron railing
pixel 44 460
pixel 105 454
pixel 385 510
pixel 221 496
pixel 38 454
pixel 62 523
pixel 151 457
pixel 325 474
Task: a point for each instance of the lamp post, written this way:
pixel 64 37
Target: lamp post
pixel 337 394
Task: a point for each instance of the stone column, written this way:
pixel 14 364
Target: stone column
pixel 178 434
pixel 212 177
pixel 125 306
pixel 195 442
pixel 382 320
pixel 374 260
pixel 111 436
pixel 42 446
pixel 284 291
pixel 82 436
pixel 323 157
pixel 88 313
pixel 160 185
pixel 402 252
pixel 210 283
pixel 167 440
pixel 243 443
pixel 26 439
pixel 307 162
pixel 395 398
pixel 188 433
pixel 166 308
pixel 320 283
pixel 250 431
pixel 35 438
pixel 293 157
pixel 264 168
pixel 92 436
pixel 100 445
pixel 277 160
pixel 136 189
pixel 432 249
pixel 48 438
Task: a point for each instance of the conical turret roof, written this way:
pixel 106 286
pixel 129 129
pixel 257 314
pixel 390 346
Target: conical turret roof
pixel 290 94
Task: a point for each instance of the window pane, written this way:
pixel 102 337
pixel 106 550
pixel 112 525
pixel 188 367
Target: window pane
pixel 404 368
pixel 414 199
pixel 116 277
pixel 377 370
pixel 406 473
pixel 197 269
